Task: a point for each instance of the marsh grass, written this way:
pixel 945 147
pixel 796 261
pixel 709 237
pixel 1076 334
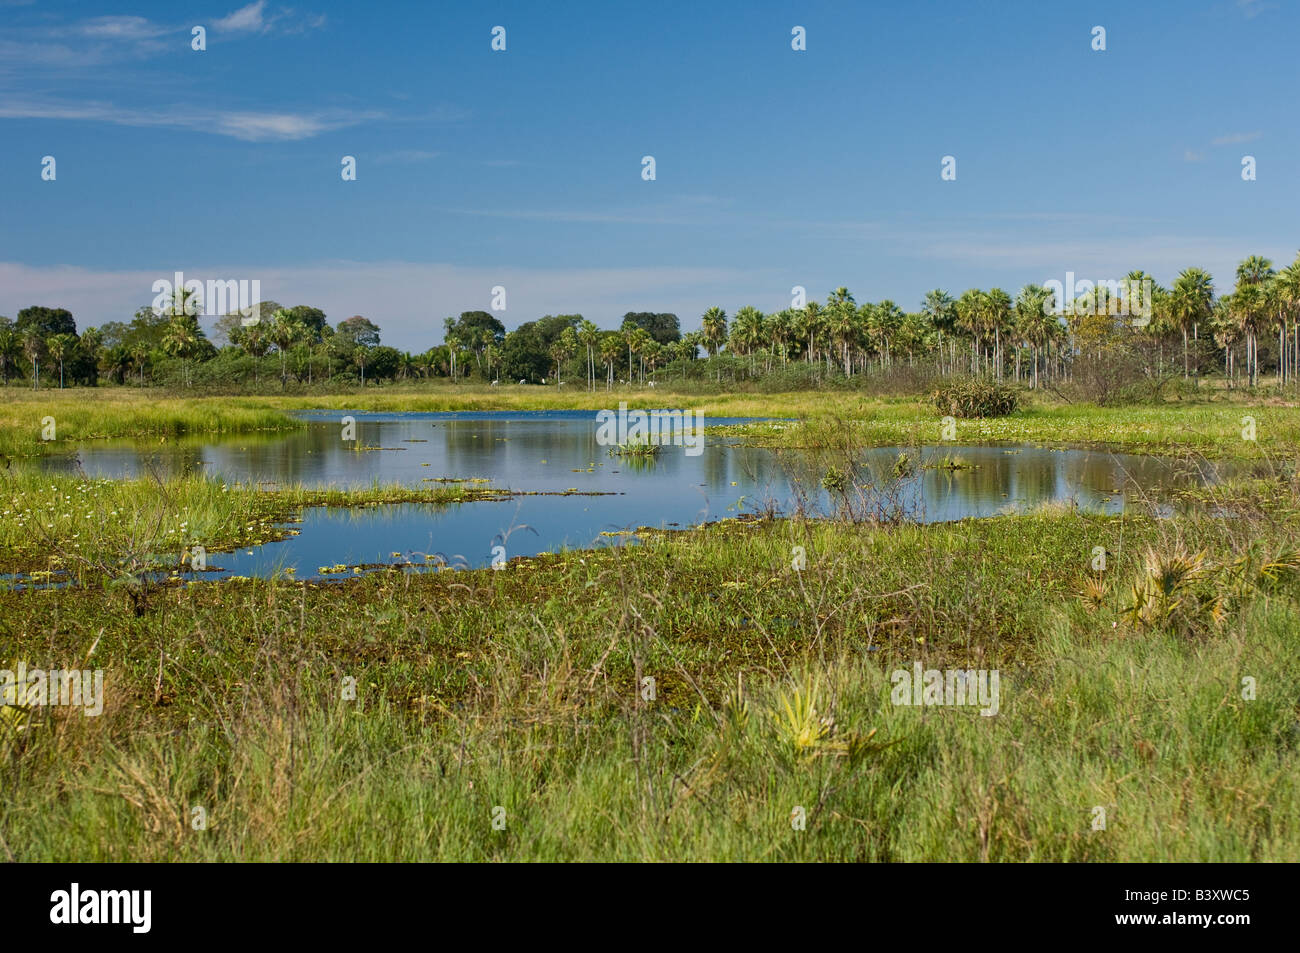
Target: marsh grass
pixel 86 525
pixel 522 689
pixel 89 414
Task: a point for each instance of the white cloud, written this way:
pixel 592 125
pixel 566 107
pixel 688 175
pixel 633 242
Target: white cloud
pixel 245 18
pixel 247 125
pixel 121 28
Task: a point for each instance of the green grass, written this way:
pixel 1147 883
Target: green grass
pixel 1209 429
pixel 93 413
pixel 521 689
pixel 56 521
pixel 1212 427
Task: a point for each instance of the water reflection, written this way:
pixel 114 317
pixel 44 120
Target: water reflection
pixel 554 451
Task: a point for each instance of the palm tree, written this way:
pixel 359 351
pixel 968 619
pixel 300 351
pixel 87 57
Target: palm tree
pixel 139 357
pixel 1226 333
pixel 938 306
pixel 588 333
pixel 1191 302
pixel 886 319
pixel 34 347
pixel 284 331
pixel 1288 287
pixel 449 338
pixel 91 344
pixel 780 327
pixel 746 333
pixel 610 346
pixel 59 347
pixel 180 339
pixel 117 361
pixel 997 318
pixel 814 322
pixel 639 342
pixel 565 346
pixel 1254 273
pixel 714 326
pixel 1033 318
pixel 11 347
pixel 714 323
pixel 970 308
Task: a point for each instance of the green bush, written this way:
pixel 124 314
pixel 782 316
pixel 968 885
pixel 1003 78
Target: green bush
pixel 976 397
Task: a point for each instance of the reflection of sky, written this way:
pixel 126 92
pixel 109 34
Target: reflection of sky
pixel 542 451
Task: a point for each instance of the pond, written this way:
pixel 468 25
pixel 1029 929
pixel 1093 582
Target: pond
pixel 557 451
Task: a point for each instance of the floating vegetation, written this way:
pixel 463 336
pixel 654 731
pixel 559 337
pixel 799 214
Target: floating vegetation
pixel 948 462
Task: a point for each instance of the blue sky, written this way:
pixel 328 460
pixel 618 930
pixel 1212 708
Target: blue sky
pixel 522 168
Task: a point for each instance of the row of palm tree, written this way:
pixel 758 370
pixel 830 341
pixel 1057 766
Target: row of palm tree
pixel 1032 335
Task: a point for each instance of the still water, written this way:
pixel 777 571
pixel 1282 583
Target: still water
pixel 556 451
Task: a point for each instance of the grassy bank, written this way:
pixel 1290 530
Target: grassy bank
pixel 1212 430
pixel 523 690
pixel 1213 427
pixel 94 413
pixel 55 521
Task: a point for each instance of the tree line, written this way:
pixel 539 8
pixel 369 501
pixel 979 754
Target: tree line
pixel 1030 337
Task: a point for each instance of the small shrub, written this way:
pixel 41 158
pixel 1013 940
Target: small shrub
pixel 976 397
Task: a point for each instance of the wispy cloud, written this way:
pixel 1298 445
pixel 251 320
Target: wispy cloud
pixel 1253 8
pixel 250 126
pixel 254 18
pixel 1191 156
pixel 1233 138
pixel 121 28
pixel 245 18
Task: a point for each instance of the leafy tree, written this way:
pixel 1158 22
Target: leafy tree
pixel 663 328
pixel 47 322
pixel 357 331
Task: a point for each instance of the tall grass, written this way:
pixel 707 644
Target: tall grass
pixel 74 522
pixel 524 690
pixel 91 413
